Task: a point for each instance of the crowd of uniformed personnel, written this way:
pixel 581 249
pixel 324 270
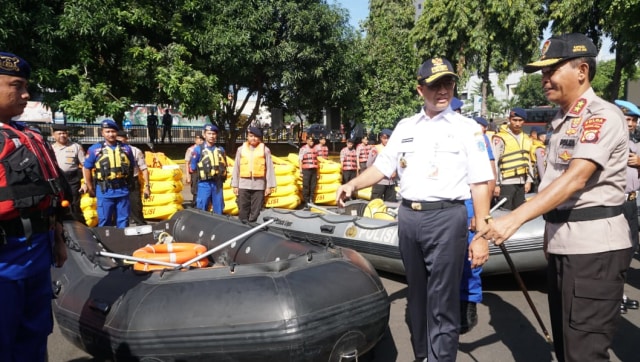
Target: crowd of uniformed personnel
pixel 585 167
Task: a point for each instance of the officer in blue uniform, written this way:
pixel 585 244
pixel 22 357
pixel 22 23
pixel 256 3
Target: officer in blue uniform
pixel 209 161
pixel 471 283
pixel 113 162
pixel 30 244
pixel 630 208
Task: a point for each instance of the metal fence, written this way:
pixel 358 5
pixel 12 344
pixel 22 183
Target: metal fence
pixel 91 133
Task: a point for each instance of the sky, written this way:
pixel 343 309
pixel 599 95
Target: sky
pixel 358 10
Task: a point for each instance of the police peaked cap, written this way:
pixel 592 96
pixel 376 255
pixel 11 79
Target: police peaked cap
pixel 562 47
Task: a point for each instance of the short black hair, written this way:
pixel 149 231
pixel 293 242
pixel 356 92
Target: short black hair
pixel 590 61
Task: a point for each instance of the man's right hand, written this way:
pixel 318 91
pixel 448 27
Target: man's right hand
pixel 344 192
pixel 496 191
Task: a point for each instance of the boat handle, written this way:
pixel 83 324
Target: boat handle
pixel 100 306
pixel 327 229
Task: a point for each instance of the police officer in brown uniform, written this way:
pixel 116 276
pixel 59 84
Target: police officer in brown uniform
pixel 70 156
pixel 587 238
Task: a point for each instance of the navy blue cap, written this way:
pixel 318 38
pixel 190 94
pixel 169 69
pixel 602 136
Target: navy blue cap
pixel 386 131
pixel 255 131
pixel 518 112
pixel 628 108
pixel 59 127
pixel 210 127
pixel 481 121
pixel 11 64
pixel 109 123
pixel 456 104
pixel 536 129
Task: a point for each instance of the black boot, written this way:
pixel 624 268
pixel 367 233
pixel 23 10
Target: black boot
pixel 468 316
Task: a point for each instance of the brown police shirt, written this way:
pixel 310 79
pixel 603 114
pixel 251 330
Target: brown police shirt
pixel 597 131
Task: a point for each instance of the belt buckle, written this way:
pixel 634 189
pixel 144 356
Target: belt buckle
pixel 416 206
pixel 632 196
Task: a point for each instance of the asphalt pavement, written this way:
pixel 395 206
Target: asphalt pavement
pixel 507 329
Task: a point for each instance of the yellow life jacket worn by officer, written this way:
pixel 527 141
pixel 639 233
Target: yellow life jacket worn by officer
pixel 212 164
pixel 113 166
pixel 253 163
pixel 516 157
pixel 535 145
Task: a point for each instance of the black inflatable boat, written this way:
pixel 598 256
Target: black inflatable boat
pixel 266 298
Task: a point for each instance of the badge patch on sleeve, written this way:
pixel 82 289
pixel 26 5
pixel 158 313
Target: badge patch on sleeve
pixel 591 130
pixel 482 147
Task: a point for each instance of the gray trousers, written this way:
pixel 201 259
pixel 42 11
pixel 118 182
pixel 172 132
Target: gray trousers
pixel 432 245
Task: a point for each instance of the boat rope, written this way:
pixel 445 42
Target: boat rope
pixel 354 219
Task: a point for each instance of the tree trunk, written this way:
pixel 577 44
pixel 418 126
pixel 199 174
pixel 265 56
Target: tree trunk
pixel 612 90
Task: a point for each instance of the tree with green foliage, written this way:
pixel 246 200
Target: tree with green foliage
pixel 481 36
pixel 529 91
pixel 390 64
pixel 616 19
pixel 286 54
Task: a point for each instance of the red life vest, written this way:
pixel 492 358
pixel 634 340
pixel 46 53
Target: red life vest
pixel 323 151
pixel 363 152
pixel 29 178
pixel 309 157
pixel 349 162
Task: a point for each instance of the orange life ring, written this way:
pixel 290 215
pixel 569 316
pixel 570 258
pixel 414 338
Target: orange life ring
pixel 171 253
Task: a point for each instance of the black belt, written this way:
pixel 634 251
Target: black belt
pixel 430 205
pixel 585 214
pixel 15 228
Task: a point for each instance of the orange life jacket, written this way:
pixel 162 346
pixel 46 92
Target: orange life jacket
pixel 253 162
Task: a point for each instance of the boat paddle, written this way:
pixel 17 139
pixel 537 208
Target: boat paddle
pixel 225 244
pixel 516 274
pixel 133 258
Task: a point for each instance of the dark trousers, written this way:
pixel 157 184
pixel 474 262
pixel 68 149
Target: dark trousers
pixel 514 195
pixel 584 302
pixel 166 131
pixel 363 166
pixel 630 211
pixel 250 204
pixel 153 134
pixel 348 176
pixel 194 187
pixel 309 182
pixel 135 200
pixel 384 192
pixel 432 245
pixel 73 179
